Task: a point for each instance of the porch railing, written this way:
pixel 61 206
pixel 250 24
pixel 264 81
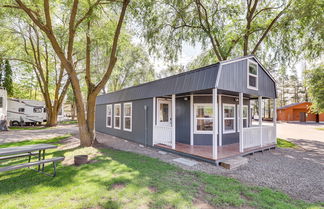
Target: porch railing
pixel 162 135
pixel 252 136
pixel 268 135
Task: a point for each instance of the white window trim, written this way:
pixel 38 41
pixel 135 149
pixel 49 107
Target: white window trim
pixel 244 118
pixel 164 101
pixel 131 117
pixel 195 118
pixel 111 121
pixel 115 106
pixel 231 118
pixel 251 74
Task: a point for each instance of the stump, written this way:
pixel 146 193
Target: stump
pixel 80 159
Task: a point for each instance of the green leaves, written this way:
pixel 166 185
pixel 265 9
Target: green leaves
pixel 315 85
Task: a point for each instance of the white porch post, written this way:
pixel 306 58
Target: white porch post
pixel 260 119
pixel 241 121
pixel 154 105
pixel 220 120
pixel 173 120
pixel 215 131
pixel 191 120
pixel 275 119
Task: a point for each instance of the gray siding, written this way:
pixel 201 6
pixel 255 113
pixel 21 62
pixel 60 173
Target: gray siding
pixel 233 77
pixel 183 121
pixel 138 128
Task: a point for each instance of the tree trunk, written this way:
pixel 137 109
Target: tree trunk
pixel 73 110
pixel 52 118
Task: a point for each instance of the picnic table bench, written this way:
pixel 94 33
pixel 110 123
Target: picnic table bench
pixel 29 151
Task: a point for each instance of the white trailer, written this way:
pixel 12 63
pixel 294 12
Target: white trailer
pixel 3 103
pixel 26 112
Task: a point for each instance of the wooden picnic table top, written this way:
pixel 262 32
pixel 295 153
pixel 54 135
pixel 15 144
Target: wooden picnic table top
pixel 26 148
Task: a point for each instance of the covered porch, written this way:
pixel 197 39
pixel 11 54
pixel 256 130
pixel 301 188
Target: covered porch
pixel 247 136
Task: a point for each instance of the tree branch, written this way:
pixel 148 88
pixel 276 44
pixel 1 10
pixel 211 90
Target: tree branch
pixel 113 58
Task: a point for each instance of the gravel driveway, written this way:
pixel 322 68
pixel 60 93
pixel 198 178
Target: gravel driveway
pixel 21 135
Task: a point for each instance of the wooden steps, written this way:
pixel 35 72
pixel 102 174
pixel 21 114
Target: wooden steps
pixel 234 162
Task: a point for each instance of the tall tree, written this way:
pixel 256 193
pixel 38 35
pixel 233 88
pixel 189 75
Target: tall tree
pixel 7 82
pixel 315 85
pixel 33 52
pixel 228 28
pixel 82 17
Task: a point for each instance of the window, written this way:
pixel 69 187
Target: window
pixel 117 116
pixel 164 112
pixel 245 116
pixel 203 118
pixel 21 109
pixel 1 102
pixel 109 116
pixel 228 118
pixel 128 116
pixel 252 75
pixel 38 110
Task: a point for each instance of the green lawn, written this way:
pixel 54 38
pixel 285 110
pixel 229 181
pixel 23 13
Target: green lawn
pixel 282 143
pixel 321 129
pixel 118 179
pixel 27 127
pixel 68 122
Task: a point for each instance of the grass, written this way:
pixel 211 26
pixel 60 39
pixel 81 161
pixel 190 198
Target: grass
pixel 28 127
pixel 282 143
pixel 68 122
pixel 321 129
pixel 119 179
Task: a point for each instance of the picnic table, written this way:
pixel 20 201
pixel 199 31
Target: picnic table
pixel 29 151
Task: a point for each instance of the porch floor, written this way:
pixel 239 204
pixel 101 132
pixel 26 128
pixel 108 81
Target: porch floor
pixel 205 151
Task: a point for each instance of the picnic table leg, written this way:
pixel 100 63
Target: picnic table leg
pixel 29 158
pixel 39 158
pixel 43 159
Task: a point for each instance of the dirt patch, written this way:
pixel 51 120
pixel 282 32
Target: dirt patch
pixel 69 143
pixel 118 186
pixel 152 189
pixel 199 203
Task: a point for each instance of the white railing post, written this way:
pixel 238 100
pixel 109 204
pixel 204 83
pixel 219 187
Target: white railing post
pixel 220 121
pixel 173 120
pixel 215 123
pixel 275 119
pixel 191 119
pixel 153 140
pixel 260 119
pixel 241 121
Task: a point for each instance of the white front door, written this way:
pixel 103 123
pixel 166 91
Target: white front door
pixel 164 112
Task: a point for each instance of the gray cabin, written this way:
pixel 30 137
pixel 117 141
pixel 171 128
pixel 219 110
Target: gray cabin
pixel 204 113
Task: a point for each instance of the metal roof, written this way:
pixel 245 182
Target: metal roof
pixel 194 80
pixel 290 105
